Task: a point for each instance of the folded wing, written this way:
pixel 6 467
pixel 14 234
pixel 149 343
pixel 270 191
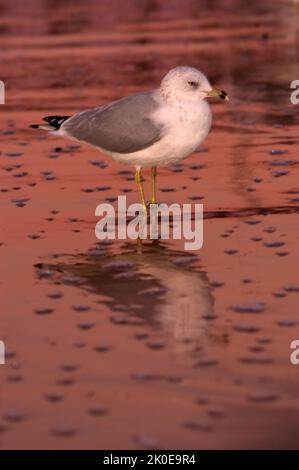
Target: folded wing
pixel 124 126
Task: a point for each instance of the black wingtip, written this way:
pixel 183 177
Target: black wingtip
pixel 34 126
pixel 55 121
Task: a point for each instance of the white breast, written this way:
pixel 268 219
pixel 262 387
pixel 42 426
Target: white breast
pixel 186 127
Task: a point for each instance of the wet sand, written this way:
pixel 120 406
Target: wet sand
pixel 108 347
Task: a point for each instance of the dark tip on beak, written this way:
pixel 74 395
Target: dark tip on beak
pixel 223 95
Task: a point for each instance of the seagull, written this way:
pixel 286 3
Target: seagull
pixel 147 129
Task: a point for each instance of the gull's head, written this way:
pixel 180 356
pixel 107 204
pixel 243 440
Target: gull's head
pixel 188 84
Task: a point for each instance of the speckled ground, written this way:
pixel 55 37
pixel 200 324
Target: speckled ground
pixel 109 347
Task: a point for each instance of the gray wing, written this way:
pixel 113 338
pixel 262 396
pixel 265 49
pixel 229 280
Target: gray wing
pixel 124 126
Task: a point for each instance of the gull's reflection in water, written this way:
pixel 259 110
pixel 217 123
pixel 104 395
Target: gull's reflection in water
pixel 157 285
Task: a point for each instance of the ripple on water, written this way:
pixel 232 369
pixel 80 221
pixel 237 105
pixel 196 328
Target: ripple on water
pixel 80 308
pixel 146 440
pixel 69 367
pixel 207 362
pixel 216 413
pixel 250 307
pixel 156 345
pixel 278 152
pixel 256 360
pixel 14 415
pixel 98 410
pixel 44 311
pixel 263 396
pixel 3 428
pixel 54 397
pixel 102 348
pixel 291 288
pixel 287 323
pixel 85 326
pixel 274 244
pixel 55 295
pixel 245 328
pixel 199 425
pixel 15 378
pixel 64 430
pixel 65 381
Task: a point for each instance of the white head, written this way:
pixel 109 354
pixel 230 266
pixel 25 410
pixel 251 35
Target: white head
pixel 188 84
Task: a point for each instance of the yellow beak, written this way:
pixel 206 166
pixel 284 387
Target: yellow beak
pixel 214 93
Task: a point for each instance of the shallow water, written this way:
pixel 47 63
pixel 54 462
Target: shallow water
pixel 110 346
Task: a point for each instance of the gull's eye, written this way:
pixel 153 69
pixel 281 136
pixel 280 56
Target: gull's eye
pixel 193 84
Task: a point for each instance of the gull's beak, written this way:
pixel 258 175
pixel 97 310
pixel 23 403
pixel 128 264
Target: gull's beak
pixel 214 93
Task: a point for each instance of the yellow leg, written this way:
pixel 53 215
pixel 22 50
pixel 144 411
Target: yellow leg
pixel 153 181
pixel 140 187
pixel 142 200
